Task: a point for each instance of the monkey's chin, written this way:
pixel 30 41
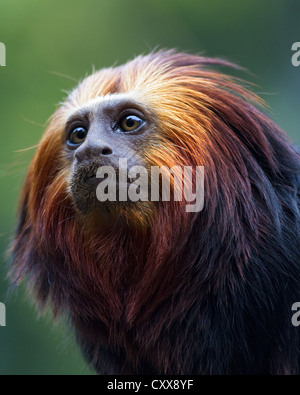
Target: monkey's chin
pixel 92 209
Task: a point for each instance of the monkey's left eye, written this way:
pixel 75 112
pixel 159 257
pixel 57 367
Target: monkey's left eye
pixel 77 136
pixel 130 123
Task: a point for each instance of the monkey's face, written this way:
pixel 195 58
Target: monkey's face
pixel 148 113
pixel 102 140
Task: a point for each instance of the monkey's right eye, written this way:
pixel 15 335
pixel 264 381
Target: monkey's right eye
pixel 77 136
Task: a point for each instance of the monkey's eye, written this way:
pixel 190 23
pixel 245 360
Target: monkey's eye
pixel 77 136
pixel 130 123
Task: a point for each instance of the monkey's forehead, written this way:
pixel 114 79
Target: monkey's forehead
pixel 148 80
pixel 139 80
pixel 119 101
pixel 109 100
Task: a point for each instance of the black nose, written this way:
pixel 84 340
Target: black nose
pixel 88 152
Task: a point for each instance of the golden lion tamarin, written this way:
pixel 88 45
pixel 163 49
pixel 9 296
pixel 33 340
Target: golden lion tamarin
pixel 150 287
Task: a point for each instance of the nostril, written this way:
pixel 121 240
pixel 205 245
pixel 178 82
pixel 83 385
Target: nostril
pixel 106 151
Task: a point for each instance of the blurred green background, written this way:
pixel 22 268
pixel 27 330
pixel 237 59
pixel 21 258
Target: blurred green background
pixel 50 45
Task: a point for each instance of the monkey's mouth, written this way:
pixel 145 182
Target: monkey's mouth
pixel 92 190
pixel 89 175
pixel 90 178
